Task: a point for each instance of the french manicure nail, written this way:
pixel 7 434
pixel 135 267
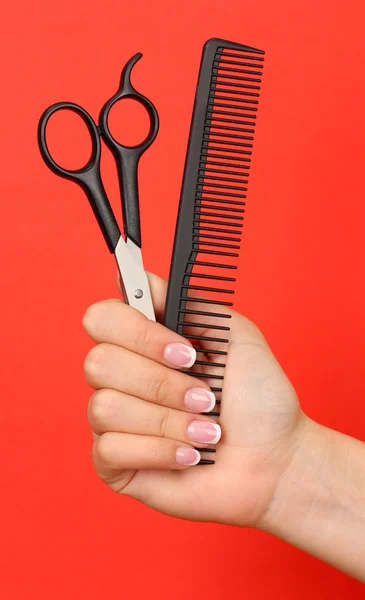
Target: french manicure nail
pixel 179 355
pixel 188 457
pixel 199 400
pixel 204 432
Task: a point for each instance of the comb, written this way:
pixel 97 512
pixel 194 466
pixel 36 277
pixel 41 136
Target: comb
pixel 210 218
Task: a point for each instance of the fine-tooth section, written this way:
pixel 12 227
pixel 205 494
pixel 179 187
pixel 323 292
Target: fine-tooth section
pixel 211 209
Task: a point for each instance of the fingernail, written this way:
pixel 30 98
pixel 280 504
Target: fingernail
pixel 204 432
pixel 179 355
pixel 187 457
pixel 199 400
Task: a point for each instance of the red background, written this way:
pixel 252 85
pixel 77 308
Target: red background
pixel 301 278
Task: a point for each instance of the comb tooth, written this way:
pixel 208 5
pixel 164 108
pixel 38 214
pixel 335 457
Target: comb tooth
pixel 235 121
pixel 228 67
pixel 212 111
pixel 240 64
pixel 207 289
pixel 204 176
pixel 207 339
pixel 198 235
pixel 205 160
pixel 215 237
pixel 258 58
pixel 225 157
pixel 208 363
pixel 241 92
pixel 211 351
pixel 205 325
pixel 200 212
pixel 223 75
pixel 224 223
pixel 216 82
pixel 208 126
pixel 206 301
pixel 220 200
pixel 208 141
pixel 202 185
pixel 214 104
pixel 203 213
pixel 248 49
pixel 214 97
pixel 207 169
pixel 206 276
pixel 215 89
pixel 206 313
pixel 218 77
pixel 205 461
pixel 218 253
pixel 210 264
pixel 226 208
pixel 220 193
pixel 204 376
pixel 218 68
pixel 205 166
pixel 212 450
pixel 236 136
pixel 220 149
pixel 212 413
pixel 213 244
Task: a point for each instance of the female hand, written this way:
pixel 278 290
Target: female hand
pixel 145 416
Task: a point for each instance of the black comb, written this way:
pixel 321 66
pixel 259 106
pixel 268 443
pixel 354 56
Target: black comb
pixel 209 224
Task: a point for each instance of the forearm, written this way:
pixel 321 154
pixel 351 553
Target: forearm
pixel 319 504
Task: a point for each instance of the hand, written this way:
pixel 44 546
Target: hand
pixel 145 431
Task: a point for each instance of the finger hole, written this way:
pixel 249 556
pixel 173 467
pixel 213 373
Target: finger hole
pixel 129 122
pixel 68 140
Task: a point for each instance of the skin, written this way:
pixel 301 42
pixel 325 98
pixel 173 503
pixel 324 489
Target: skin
pixel 275 470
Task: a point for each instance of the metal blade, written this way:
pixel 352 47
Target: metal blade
pixel 136 289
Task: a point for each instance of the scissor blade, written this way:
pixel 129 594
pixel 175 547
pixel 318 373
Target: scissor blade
pixel 136 289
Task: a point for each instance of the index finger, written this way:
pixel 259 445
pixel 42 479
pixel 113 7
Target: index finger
pixel 113 322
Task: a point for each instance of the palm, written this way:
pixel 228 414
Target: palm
pixel 259 414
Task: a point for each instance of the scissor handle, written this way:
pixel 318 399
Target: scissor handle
pixel 88 177
pixel 127 157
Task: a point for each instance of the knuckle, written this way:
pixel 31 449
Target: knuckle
pixel 163 424
pixel 97 409
pixel 90 317
pixel 95 362
pixel 105 449
pixel 157 387
pixel 96 314
pixel 141 335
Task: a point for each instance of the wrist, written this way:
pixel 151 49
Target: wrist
pixel 319 501
pixel 298 484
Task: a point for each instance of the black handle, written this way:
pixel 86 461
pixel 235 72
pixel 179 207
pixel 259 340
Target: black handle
pixel 88 177
pixel 127 157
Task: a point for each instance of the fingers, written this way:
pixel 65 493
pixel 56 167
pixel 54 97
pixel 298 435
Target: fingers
pixel 110 366
pixel 117 323
pixel 242 330
pixel 112 411
pixel 123 451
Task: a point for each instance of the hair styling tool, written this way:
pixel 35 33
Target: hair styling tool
pixel 127 251
pixel 209 225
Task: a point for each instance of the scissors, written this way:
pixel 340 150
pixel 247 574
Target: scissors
pixel 128 254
